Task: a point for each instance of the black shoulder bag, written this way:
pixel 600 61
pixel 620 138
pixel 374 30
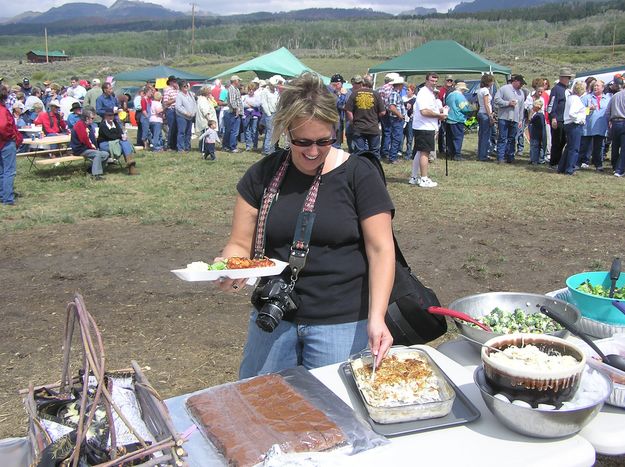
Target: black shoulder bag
pixel 407 317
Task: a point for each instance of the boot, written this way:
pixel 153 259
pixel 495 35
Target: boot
pixel 131 166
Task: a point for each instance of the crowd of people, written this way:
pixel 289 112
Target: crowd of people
pixel 568 127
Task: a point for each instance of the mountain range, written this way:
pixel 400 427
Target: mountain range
pixel 126 15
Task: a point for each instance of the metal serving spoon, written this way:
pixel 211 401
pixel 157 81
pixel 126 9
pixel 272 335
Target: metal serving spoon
pixel 613 360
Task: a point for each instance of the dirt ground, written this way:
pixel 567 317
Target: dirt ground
pixel 190 334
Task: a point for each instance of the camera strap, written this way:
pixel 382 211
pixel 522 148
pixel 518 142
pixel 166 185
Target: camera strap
pixel 303 227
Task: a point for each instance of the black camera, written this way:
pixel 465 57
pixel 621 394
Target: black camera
pixel 273 300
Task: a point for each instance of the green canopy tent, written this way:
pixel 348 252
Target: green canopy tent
pixel 441 57
pixel 279 62
pixel 156 72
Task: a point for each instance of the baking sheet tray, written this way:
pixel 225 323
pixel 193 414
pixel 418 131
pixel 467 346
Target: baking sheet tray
pixel 463 411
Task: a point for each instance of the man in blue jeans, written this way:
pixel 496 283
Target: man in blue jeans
pixel 235 111
pixel 509 101
pixel 396 118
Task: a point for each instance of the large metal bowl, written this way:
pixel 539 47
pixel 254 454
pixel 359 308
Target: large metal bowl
pixel 536 422
pixel 480 305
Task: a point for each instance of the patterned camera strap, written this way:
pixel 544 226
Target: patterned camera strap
pixel 305 220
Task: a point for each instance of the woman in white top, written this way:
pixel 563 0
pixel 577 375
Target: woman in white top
pixel 205 110
pixel 574 120
pixel 485 117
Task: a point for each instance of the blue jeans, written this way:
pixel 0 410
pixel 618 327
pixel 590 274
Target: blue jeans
pixel 520 138
pixel 145 129
pixel 457 138
pixel 97 158
pixel 367 143
pixel 570 155
pixel 268 147
pixel 536 146
pixel 172 128
pixel 397 134
pixel 483 136
pixel 251 133
pixel 183 139
pixel 231 132
pixel 505 143
pixel 8 169
pixel 618 146
pixel 592 145
pixel 125 145
pixel 386 136
pixel 157 135
pixel 290 345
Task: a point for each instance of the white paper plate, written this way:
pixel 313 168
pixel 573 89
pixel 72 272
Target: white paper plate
pixel 191 275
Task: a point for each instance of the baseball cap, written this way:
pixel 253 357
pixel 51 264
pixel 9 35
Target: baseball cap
pixel 170 79
pixel 55 103
pixel 357 79
pixel 336 78
pixel 95 81
pixel 449 78
pixel 235 78
pixel 25 81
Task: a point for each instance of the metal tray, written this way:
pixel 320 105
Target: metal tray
pixel 463 411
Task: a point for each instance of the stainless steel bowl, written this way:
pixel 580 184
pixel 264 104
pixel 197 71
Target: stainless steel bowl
pixel 536 422
pixel 480 305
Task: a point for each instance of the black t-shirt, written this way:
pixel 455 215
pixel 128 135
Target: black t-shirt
pixel 333 286
pixel 365 104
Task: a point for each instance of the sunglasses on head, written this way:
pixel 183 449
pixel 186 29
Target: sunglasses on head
pixel 310 142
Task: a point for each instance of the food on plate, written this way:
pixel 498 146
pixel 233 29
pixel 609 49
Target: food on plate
pixel 244 420
pixel 407 386
pixel 601 291
pixel 234 262
pixel 531 357
pixel 506 322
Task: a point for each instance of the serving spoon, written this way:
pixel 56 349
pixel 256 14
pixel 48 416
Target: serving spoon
pixel 613 360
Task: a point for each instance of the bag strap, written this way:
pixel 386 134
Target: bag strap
pixel 303 228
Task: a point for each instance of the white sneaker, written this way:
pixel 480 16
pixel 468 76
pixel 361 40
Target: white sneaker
pixel 426 182
pixel 616 174
pixel 413 181
pixel 584 165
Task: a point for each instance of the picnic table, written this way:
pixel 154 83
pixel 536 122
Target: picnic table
pixel 40 153
pixel 484 442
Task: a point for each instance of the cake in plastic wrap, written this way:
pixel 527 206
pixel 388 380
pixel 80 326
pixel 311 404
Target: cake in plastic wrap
pixel 244 420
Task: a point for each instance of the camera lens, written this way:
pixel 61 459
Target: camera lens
pixel 269 317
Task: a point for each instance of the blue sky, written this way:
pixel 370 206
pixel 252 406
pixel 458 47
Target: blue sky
pixel 246 6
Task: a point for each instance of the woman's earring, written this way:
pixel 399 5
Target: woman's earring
pixel 287 142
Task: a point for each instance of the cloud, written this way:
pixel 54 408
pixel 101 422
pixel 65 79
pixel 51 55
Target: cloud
pixel 245 6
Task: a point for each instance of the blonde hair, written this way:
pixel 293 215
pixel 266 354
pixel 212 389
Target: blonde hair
pixel 157 96
pixel 579 88
pixel 538 103
pixel 304 97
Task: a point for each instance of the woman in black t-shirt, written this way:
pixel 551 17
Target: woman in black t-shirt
pixel 343 289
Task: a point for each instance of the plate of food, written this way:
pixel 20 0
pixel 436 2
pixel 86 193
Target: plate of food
pixel 232 268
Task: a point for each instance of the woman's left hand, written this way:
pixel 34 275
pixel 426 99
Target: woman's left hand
pixel 380 339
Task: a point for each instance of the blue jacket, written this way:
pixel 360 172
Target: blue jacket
pixel 557 101
pixel 597 120
pixel 105 102
pixel 459 107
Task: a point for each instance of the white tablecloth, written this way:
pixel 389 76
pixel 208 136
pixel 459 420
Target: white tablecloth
pixel 484 442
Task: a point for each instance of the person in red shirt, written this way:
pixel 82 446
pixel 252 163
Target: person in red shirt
pixel 52 121
pixel 83 144
pixel 10 140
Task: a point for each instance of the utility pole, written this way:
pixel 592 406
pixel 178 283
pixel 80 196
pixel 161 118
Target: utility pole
pixel 193 29
pixel 45 31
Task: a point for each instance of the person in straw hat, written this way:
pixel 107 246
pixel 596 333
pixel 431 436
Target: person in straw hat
pixel 557 102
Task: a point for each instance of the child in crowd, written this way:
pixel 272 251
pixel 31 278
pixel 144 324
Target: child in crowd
pixel 209 138
pixel 156 122
pixel 537 131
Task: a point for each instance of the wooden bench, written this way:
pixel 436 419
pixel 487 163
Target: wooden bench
pixel 59 160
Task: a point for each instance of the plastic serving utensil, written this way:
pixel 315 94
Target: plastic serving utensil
pixel 613 360
pixel 437 310
pixel 619 306
pixel 615 273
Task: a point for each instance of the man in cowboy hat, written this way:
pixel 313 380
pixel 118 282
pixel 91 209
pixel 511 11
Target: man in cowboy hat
pixel 74 116
pixel 557 101
pixel 397 115
pixel 169 105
